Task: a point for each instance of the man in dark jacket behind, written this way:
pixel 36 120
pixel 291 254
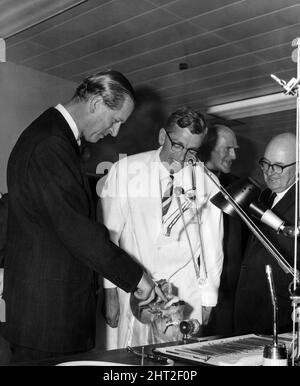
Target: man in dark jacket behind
pixel 218 152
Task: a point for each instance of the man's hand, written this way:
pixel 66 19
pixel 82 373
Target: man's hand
pixel 111 307
pixel 147 289
pixel 206 313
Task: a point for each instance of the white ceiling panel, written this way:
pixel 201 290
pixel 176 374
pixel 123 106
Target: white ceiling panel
pixel 17 15
pixel 50 59
pixel 75 67
pixel 60 18
pixel 97 19
pixel 162 2
pixel 17 53
pixel 189 8
pixel 228 48
pixel 240 11
pixel 262 24
pixel 270 39
pixel 194 78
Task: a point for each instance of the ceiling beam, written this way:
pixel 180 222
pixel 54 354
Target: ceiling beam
pixel 254 106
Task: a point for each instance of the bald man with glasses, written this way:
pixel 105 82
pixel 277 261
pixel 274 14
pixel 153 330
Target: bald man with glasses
pixel 253 307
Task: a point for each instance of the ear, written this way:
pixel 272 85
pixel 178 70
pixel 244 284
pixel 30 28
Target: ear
pixel 162 136
pixel 95 101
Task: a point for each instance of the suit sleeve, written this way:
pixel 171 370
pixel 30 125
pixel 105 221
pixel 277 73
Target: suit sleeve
pixel 114 207
pixel 61 199
pixel 3 226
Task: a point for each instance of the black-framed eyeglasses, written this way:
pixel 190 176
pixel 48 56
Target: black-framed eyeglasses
pixel 178 148
pixel 265 166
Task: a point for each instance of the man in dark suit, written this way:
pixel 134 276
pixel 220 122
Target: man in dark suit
pixel 4 346
pixel 218 152
pixel 253 309
pixel 54 245
pixel 3 225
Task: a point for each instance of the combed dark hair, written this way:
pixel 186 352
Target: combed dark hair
pixel 111 85
pixel 209 143
pixel 185 117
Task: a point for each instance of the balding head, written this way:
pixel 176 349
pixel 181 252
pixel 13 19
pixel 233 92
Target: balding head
pixel 281 150
pixel 224 130
pixel 223 153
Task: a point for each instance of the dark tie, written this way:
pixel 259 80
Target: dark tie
pixel 271 199
pixel 167 197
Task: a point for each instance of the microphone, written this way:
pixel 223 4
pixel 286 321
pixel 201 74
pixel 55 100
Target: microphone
pixel 192 164
pixel 189 327
pixel 266 216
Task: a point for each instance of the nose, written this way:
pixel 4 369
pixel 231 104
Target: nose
pixel 270 170
pixel 115 129
pixel 182 155
pixel 232 154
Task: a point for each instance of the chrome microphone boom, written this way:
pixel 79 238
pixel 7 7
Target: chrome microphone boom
pixel 192 163
pixel 274 303
pixel 178 191
pixel 285 266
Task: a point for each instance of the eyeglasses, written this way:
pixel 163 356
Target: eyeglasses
pixel 274 167
pixel 178 148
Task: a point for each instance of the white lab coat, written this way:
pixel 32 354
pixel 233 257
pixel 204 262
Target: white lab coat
pixel 132 211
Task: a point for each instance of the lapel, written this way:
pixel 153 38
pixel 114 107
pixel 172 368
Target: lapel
pixel 65 129
pixel 287 201
pixel 141 180
pixel 155 204
pixel 67 132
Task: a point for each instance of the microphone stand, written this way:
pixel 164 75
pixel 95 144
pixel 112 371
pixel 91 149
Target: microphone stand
pixel 176 217
pixel 274 354
pixel 202 256
pixel 293 88
pixel 295 297
pixel 274 303
pixel 178 191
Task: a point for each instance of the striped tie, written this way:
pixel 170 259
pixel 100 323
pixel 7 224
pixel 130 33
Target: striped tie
pixel 167 197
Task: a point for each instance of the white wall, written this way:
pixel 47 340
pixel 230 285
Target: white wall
pixel 24 94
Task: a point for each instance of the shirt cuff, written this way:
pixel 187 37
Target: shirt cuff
pixel 209 297
pixel 108 284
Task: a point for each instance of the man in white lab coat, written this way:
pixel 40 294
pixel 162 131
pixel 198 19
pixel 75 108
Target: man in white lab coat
pixel 184 250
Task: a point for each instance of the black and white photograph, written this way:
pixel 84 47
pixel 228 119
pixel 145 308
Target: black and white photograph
pixel 149 195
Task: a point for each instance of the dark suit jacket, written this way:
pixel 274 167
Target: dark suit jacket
pixel 253 309
pixel 3 226
pixel 234 243
pixel 55 245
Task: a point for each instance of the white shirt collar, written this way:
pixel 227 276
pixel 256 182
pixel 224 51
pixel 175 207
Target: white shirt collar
pixel 164 173
pixel 70 121
pixel 280 195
